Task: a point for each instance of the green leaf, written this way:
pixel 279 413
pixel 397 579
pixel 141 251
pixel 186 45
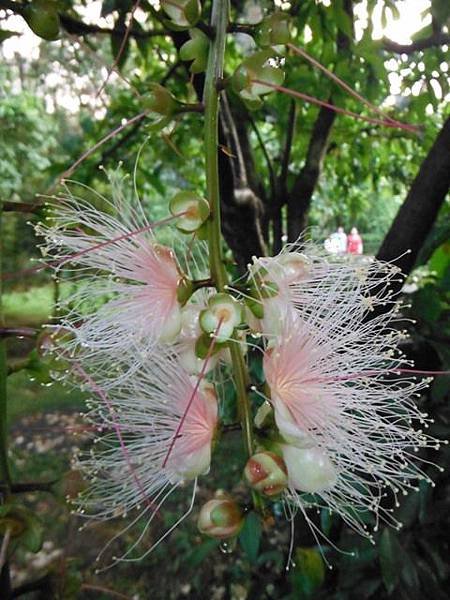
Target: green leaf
pixel 32 537
pixel 427 304
pixel 390 559
pixel 199 553
pixel 250 536
pixel 5 34
pixel 309 573
pixel 23 525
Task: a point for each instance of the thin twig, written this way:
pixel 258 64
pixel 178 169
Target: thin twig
pixel 340 82
pixel 32 486
pixel 4 547
pixel 96 146
pixel 99 588
pixel 121 49
pixel 342 111
pixel 270 169
pixel 18 332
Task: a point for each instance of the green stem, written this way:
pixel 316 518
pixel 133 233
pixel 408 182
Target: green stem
pixel 5 479
pixel 214 74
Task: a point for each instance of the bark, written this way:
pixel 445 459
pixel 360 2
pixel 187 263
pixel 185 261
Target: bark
pixel 241 205
pixel 419 211
pixel 300 196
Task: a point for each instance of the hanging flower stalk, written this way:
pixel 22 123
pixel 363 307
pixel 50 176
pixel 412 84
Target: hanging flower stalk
pixel 339 426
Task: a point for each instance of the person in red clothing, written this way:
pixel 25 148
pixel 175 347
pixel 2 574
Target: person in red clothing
pixel 354 242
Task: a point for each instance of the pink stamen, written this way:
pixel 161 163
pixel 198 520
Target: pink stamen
pixel 301 52
pixel 66 259
pixel 343 111
pixel 353 376
pixel 194 392
pixel 103 396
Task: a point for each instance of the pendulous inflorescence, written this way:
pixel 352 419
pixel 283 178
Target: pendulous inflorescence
pixel 335 423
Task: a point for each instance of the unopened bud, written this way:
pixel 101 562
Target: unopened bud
pixel 160 101
pixel 266 472
pixel 223 314
pixel 193 211
pixel 220 518
pixel 256 67
pixel 183 13
pixel 196 50
pixel 310 469
pixel 275 30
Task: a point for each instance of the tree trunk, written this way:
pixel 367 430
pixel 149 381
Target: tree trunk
pixel 299 199
pixel 417 214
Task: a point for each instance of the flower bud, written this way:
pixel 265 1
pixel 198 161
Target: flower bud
pixel 220 518
pixel 295 267
pixel 256 67
pixel 310 469
pixel 275 30
pixel 193 211
pixel 196 50
pixel 182 13
pixel 266 472
pixel 223 314
pixel 160 101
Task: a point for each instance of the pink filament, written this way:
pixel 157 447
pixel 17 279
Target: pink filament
pixel 341 83
pixel 194 392
pixel 95 388
pixel 66 259
pixel 343 111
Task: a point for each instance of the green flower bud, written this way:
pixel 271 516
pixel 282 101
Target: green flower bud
pixel 196 50
pixel 43 19
pixel 160 101
pixel 195 209
pixel 253 68
pixel 221 317
pixel 275 30
pixel 266 472
pixel 220 518
pixel 182 13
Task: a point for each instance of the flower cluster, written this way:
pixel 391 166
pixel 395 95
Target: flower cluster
pixel 148 334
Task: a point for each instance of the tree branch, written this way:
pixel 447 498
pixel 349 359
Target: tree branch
pixel 31 486
pixel 25 207
pixel 437 39
pixel 281 192
pixel 76 27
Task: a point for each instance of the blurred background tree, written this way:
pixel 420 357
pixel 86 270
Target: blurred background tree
pixel 83 69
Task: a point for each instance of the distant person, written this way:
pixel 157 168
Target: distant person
pixel 354 242
pixel 336 243
pixel 341 240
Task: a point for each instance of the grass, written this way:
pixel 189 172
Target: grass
pixel 29 308
pixel 27 397
pixel 33 308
